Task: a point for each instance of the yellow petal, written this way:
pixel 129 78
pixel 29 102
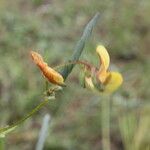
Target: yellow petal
pixel 104 57
pixel 102 76
pixel 113 82
pixel 89 83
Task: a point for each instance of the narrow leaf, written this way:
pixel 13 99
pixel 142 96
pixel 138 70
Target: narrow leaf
pixel 80 46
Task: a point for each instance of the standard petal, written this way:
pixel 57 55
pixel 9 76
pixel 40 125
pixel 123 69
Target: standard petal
pixel 113 82
pixel 104 57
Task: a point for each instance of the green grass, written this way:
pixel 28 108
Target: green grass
pixel 53 28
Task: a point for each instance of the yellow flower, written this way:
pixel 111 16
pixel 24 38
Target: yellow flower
pixel 107 81
pixel 48 72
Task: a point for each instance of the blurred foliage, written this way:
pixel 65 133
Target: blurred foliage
pixel 52 28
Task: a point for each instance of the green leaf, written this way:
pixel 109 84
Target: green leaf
pixel 80 46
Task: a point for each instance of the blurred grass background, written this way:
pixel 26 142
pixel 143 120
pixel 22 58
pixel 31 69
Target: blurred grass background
pixel 52 28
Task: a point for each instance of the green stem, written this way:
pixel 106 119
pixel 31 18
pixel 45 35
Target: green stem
pixel 43 103
pixel 46 85
pixel 2 143
pixel 105 118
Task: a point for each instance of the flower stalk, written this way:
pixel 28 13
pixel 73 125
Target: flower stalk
pixel 105 122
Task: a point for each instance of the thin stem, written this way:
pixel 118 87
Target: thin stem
pixel 46 85
pixel 74 62
pixel 43 103
pixel 105 118
pixel 2 143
